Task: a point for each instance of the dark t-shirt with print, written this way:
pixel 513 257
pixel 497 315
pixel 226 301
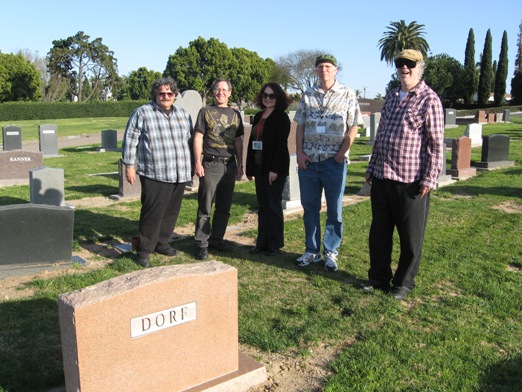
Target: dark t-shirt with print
pixel 220 128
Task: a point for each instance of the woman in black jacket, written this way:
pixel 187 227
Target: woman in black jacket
pixel 268 162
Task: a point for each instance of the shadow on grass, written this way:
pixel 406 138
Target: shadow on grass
pixel 284 259
pixel 96 226
pixel 505 376
pixel 30 354
pixel 7 200
pixel 95 190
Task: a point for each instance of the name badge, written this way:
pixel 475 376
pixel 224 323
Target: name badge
pixel 257 145
pixel 320 129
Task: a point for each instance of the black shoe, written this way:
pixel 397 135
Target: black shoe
pixel 256 249
pixel 202 254
pixel 399 292
pixel 143 261
pixel 272 252
pixel 220 246
pixel 167 251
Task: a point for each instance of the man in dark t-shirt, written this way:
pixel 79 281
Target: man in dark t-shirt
pixel 218 154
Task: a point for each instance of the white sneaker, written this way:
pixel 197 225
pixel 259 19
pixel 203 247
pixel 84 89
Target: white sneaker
pixel 309 258
pixel 330 261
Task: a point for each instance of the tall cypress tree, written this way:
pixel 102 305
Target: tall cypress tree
pixel 470 79
pixel 485 78
pixel 516 82
pixel 502 71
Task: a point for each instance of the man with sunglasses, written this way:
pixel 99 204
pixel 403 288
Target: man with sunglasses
pixel 157 147
pixel 328 118
pixel 406 161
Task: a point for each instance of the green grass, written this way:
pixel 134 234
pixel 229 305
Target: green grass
pixel 68 127
pixel 460 329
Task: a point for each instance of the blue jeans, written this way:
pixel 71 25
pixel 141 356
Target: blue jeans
pixel 330 176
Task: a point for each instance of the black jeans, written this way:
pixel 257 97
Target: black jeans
pixel 160 205
pixel 270 224
pixel 399 205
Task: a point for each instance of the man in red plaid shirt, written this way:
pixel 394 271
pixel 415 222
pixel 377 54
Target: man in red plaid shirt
pixel 406 161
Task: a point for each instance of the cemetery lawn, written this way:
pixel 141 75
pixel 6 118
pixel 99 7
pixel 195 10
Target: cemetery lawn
pixel 459 330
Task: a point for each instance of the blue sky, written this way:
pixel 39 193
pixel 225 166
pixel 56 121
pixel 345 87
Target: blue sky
pixel 144 34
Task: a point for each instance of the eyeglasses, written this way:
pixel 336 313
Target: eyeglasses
pixel 169 94
pixel 268 96
pixel 399 63
pixel 219 90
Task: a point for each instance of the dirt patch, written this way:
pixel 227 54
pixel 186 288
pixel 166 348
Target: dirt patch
pixel 510 207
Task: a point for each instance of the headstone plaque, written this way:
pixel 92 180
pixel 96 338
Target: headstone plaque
pixel 507 116
pixel 35 233
pixel 17 163
pixel 450 118
pixel 480 117
pixel 125 188
pixel 48 139
pixel 495 153
pixel 474 132
pixel 444 177
pixel 109 140
pixel 374 125
pixel 366 125
pixel 11 138
pixel 163 329
pixel 191 101
pixel 491 118
pixel 461 159
pixel 291 193
pixel 499 117
pixel 46 186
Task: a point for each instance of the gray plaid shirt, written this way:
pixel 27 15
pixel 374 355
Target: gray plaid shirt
pixel 160 143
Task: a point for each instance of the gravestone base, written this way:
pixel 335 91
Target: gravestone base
pixel 486 166
pixel 462 174
pixel 249 374
pixel 444 179
pixel 291 205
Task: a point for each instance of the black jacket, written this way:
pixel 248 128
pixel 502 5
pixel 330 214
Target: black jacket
pixel 275 144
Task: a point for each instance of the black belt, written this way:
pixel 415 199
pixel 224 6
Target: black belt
pixel 213 158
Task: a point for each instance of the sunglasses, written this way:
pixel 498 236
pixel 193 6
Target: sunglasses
pixel 399 63
pixel 268 96
pixel 169 94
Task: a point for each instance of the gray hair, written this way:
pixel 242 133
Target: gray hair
pixel 163 82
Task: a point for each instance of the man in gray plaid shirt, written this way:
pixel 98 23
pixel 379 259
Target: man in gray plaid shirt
pixel 157 148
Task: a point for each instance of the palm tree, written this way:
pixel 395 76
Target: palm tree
pixel 401 36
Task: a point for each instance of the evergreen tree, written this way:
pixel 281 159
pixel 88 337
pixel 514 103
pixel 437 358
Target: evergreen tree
pixel 470 79
pixel 485 78
pixel 516 82
pixel 501 74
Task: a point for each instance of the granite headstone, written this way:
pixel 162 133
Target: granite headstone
pixel 48 139
pixel 46 186
pixel 11 138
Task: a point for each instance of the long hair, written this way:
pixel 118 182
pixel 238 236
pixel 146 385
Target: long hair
pixel 283 101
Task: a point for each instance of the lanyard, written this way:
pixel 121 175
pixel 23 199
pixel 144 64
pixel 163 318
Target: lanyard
pixel 259 128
